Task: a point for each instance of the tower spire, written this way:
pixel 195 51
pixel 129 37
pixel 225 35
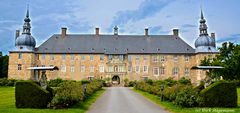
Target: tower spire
pixel 26 25
pixel 203 26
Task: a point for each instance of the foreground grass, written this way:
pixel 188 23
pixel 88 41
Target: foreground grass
pixel 169 106
pixel 7 103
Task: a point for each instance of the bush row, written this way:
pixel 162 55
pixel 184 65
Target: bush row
pixel 7 82
pixel 219 94
pixel 73 92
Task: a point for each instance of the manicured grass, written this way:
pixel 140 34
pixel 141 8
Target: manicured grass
pixel 7 103
pixel 169 106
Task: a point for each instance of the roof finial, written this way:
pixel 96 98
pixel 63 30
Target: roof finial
pixel 26 25
pixel 202 17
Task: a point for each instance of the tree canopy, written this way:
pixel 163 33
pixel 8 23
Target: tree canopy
pixel 3 65
pixel 229 58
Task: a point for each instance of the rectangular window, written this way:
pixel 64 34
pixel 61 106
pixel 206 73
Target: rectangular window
pixel 145 58
pixel 155 59
pixel 109 57
pixel 72 57
pixel 20 56
pixel 91 57
pixel 91 68
pixel 162 71
pixel 137 69
pixel 43 56
pixel 63 68
pixel 129 58
pixel 145 69
pixel 63 57
pixel 82 68
pixel 129 68
pixel 83 57
pixel 175 58
pixel 101 69
pixel 72 68
pixel 187 58
pixel 155 71
pixel 187 71
pixel 175 71
pixel 19 66
pixel 51 57
pixel 110 68
pixel 162 58
pixel 121 69
pixel 137 58
pixel 121 57
pixel 101 57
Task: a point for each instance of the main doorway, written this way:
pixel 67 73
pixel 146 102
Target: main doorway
pixel 115 80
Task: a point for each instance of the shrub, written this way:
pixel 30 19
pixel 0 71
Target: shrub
pixel 126 82
pixel 169 82
pixel 30 95
pixel 184 81
pixel 55 82
pixel 132 83
pixel 219 94
pixel 170 93
pixel 187 97
pixel 67 94
pixel 7 82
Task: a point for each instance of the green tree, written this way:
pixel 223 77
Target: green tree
pixel 229 58
pixel 3 65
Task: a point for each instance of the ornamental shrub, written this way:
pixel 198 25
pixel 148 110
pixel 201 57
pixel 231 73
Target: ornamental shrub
pixel 28 94
pixel 170 93
pixel 219 94
pixel 55 82
pixel 7 82
pixel 184 81
pixel 132 83
pixel 67 95
pixel 187 97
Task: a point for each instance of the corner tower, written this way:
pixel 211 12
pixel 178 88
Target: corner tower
pixel 26 42
pixel 204 42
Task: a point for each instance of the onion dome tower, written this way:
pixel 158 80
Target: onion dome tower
pixel 204 42
pixel 26 42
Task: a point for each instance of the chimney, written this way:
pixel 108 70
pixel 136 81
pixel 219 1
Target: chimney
pixel 17 34
pixel 97 31
pixel 213 35
pixel 64 32
pixel 175 32
pixel 146 31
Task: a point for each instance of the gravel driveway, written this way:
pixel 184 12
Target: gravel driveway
pixel 123 100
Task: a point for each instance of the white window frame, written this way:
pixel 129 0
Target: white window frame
pixel 82 68
pixel 91 57
pixel 129 68
pixel 63 68
pixel 175 71
pixel 162 58
pixel 91 68
pixel 43 56
pixel 137 69
pixel 72 68
pixel 162 71
pixel 145 69
pixel 101 57
pixel 157 70
pixel 20 55
pixel 101 69
pixel 64 57
pixel 155 58
pixel 137 58
pixel 83 57
pixel 129 58
pixel 72 56
pixel 110 69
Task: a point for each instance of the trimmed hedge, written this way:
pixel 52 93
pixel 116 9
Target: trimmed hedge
pixel 7 82
pixel 30 95
pixel 219 94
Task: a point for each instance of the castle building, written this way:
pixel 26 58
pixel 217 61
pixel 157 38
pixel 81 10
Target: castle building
pixel 113 56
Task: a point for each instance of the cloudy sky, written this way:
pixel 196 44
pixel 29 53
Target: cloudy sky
pixel 132 16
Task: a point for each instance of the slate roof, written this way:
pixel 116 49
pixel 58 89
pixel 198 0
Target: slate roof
pixel 115 44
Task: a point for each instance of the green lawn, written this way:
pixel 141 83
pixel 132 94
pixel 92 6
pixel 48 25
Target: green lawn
pixel 7 103
pixel 169 106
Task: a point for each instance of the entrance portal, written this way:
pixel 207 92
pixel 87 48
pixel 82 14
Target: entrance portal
pixel 115 80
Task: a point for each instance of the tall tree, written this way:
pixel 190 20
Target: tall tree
pixel 229 58
pixel 3 65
